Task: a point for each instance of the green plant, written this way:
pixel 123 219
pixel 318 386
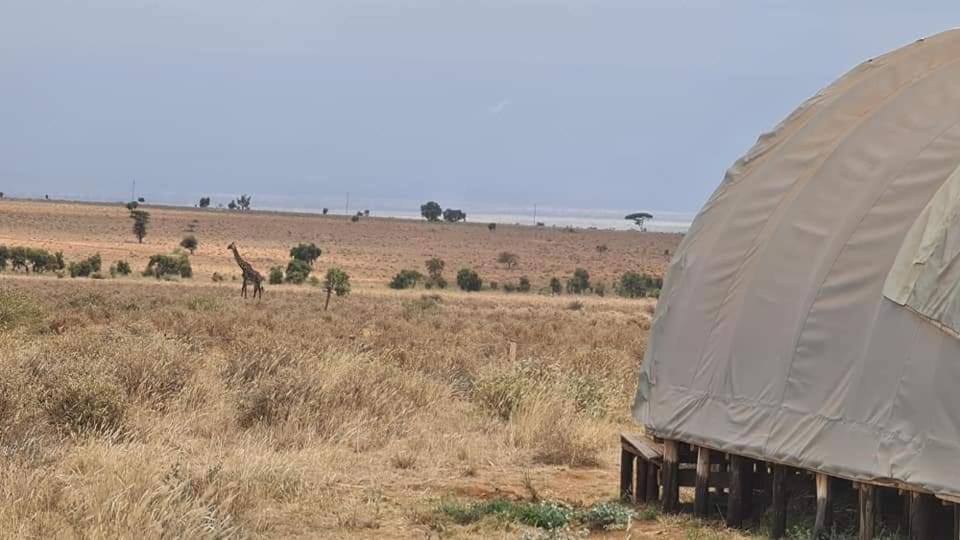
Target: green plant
pixel 579 283
pixel 524 284
pixel 85 267
pixel 177 264
pixel 276 275
pixel 354 218
pixel 606 516
pixel 491 227
pixel 637 285
pixel 435 267
pixel 140 220
pixel 337 281
pixel 121 267
pixel 307 253
pixel 469 280
pixel 406 279
pixel 204 202
pixel 297 271
pixel 189 243
pixel 132 205
pixel 452 215
pixel 555 286
pixel 431 211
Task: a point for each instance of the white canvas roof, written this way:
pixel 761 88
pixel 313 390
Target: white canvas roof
pixel 811 314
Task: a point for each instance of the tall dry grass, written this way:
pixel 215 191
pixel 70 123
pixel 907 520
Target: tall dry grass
pixel 131 409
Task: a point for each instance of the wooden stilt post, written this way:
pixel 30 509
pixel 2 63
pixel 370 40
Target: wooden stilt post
pixel 640 486
pixel 653 483
pixel 920 513
pixel 904 512
pixel 824 519
pixel 701 500
pixel 778 524
pixel 670 476
pixel 956 521
pixel 738 466
pixel 626 475
pixel 868 511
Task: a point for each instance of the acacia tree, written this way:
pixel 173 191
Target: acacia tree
pixel 204 202
pixel 431 211
pixel 307 253
pixel 189 243
pixel 140 219
pixel 337 281
pixel 640 219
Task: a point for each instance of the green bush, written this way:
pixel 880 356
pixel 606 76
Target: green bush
pixel 85 267
pixel 189 243
pixel 579 283
pixel 555 286
pixel 524 284
pixel 27 259
pixel 120 267
pixel 276 275
pixel 469 280
pixel 637 285
pixel 406 279
pixel 297 271
pixel 435 267
pixel 161 266
pixel 307 253
pixel 607 516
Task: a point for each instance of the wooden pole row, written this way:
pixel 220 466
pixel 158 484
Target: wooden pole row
pixel 920 514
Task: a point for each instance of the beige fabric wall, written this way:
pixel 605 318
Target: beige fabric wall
pixel 773 337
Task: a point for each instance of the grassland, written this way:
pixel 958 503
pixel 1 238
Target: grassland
pixel 132 407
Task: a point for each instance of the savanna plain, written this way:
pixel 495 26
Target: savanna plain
pixel 138 407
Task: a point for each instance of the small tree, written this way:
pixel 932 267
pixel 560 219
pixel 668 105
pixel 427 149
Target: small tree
pixel 431 211
pixel 491 227
pixel 276 275
pixel 177 264
pixel 326 211
pixel 297 271
pixel 140 220
pixel 243 202
pixel 636 285
pixel 366 213
pixel 469 280
pixel 189 243
pixel 524 284
pixel 452 215
pixel 141 200
pixel 555 286
pixel 337 281
pixel 579 283
pixel 307 253
pixel 639 218
pixel 355 218
pixel 120 267
pixel 406 279
pixel 232 205
pixel 132 205
pixel 435 267
pixel 509 260
pixel 85 267
pixel 204 202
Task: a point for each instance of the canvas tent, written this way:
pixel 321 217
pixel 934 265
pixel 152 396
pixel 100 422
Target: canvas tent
pixel 811 315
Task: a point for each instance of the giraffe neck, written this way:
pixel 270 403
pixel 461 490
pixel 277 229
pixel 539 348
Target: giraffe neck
pixel 244 265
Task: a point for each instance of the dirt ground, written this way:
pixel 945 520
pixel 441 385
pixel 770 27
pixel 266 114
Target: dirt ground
pixel 371 250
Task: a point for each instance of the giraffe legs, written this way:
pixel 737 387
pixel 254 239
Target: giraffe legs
pixel 243 288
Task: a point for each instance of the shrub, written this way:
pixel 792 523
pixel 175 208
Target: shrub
pixel 452 215
pixel 85 267
pixel 354 218
pixel 326 211
pixel 297 271
pixel 121 267
pixel 307 253
pixel 337 281
pixel 524 284
pixel 469 280
pixel 494 286
pixel 132 205
pixel 431 211
pixel 189 243
pixel 637 285
pixel 140 220
pixel 600 289
pixel 555 286
pixel 435 267
pixel 607 516
pixel 491 227
pixel 161 266
pixel 204 202
pixel 579 283
pixel 406 279
pixel 509 260
pixel 276 275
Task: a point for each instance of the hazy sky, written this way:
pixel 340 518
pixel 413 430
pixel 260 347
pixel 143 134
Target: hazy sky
pixel 488 103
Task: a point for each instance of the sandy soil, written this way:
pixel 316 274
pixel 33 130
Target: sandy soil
pixel 371 250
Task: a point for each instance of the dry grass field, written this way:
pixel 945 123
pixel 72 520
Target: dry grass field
pixel 133 407
pixel 371 250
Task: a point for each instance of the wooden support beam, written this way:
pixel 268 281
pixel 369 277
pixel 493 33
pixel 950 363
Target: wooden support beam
pixel 778 523
pixel 824 519
pixel 653 482
pixel 626 475
pixel 921 510
pixel 738 466
pixel 956 521
pixel 670 476
pixel 701 501
pixel 640 486
pixel 868 511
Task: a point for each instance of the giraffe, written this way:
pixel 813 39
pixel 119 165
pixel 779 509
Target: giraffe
pixel 249 274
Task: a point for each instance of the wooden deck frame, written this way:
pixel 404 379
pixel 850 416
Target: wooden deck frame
pixel 647 464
